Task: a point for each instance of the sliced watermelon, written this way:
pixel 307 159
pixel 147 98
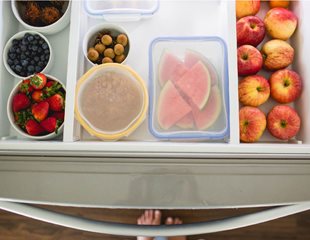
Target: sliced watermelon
pixel 186 122
pixel 192 57
pixel 196 84
pixel 170 68
pixel 206 117
pixel 171 106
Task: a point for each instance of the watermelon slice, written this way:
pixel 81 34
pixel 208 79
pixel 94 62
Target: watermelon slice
pixel 170 68
pixel 186 122
pixel 209 114
pixel 171 106
pixel 192 57
pixel 196 84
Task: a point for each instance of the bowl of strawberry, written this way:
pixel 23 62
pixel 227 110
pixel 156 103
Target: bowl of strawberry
pixel 36 107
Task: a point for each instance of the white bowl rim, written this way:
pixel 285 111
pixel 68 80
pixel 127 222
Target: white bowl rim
pixel 9 43
pixel 35 28
pixel 12 122
pixel 100 27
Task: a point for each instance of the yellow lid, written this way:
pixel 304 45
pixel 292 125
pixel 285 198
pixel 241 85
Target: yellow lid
pixel 88 76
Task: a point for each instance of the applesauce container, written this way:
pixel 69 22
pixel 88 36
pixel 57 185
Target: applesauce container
pixel 111 101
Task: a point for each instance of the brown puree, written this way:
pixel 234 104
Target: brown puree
pixel 111 101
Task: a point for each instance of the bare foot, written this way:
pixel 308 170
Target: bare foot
pixel 170 221
pixel 149 217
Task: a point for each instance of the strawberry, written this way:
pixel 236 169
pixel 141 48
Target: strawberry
pixel 58 115
pixel 20 101
pixel 38 96
pixel 57 102
pixel 38 81
pixel 50 124
pixel 25 87
pixel 51 88
pixel 40 110
pixel 33 128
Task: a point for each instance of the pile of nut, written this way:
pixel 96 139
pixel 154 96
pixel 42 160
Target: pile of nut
pixel 109 48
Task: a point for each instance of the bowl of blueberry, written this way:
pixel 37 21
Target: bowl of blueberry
pixel 26 53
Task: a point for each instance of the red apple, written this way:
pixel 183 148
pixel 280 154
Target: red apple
pixel 252 124
pixel 250 60
pixel 247 7
pixel 285 86
pixel 277 54
pixel 253 90
pixel 283 122
pixel 250 30
pixel 280 23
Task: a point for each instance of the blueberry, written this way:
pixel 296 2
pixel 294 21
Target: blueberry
pixel 30 68
pixel 33 54
pixel 12 56
pixel 47 57
pixel 22 56
pixel 10 62
pixel 16 62
pixel 24 41
pixel 38 69
pixel 34 48
pixel 44 46
pixel 30 38
pixel 23 48
pixel 36 59
pixel 40 64
pixel 24 63
pixel 27 35
pixel 37 37
pixel 42 58
pixel 47 51
pixel 40 50
pixel 27 53
pixel 32 62
pixel 13 67
pixel 15 42
pixel 18 51
pixel 35 42
pixel 18 68
pixel 12 49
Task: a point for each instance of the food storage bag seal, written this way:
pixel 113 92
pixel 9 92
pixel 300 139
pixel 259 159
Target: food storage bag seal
pixel 121 10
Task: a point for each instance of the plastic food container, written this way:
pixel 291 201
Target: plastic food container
pixel 53 28
pixel 188 88
pixel 111 101
pixel 121 10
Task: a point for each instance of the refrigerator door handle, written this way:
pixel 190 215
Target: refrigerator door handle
pixel 161 230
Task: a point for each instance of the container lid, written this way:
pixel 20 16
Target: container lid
pixel 111 101
pixel 188 88
pixel 121 10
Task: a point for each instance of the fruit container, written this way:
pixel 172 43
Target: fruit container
pixel 111 101
pixel 300 105
pixel 192 71
pixel 21 132
pixel 121 10
pixel 20 36
pixel 49 28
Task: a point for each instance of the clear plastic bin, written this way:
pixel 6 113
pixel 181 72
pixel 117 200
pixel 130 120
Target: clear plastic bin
pixel 188 88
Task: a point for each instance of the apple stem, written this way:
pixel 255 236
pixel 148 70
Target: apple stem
pixel 283 123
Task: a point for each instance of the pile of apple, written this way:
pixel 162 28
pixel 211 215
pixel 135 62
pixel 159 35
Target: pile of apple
pixel 274 56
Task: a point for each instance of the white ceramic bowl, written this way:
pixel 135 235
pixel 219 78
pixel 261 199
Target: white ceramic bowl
pixel 17 128
pixel 19 35
pixel 57 26
pixel 90 37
